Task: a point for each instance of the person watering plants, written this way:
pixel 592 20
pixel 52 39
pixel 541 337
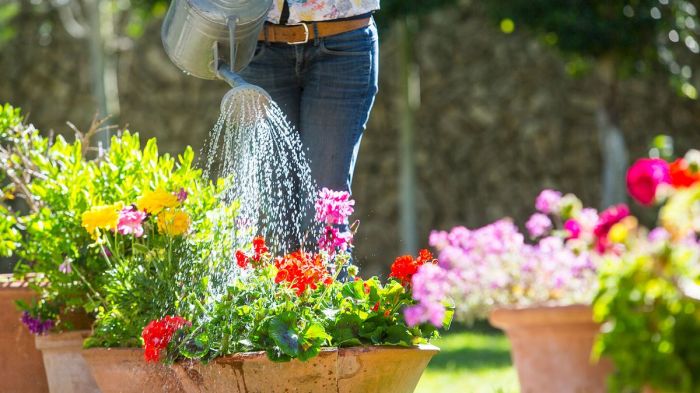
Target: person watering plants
pixel 318 60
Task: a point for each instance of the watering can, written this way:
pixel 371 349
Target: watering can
pixel 215 39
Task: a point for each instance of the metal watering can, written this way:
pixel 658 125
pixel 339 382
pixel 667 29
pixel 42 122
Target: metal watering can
pixel 215 39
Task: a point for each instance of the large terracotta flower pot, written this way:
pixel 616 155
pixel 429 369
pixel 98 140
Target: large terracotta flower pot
pixel 551 348
pixel 348 370
pixel 66 369
pixel 21 366
pixel 123 370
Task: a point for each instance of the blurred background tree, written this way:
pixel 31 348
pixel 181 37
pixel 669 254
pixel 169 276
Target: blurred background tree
pixel 403 18
pixel 106 26
pixel 617 39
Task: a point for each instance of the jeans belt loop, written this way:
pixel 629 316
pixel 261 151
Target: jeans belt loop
pixel 266 32
pixel 317 39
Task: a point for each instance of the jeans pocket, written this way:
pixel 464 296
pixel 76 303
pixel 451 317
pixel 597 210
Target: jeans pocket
pixel 353 43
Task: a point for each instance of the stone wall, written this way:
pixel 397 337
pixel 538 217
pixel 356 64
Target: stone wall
pixel 499 119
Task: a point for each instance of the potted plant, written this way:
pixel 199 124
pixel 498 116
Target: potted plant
pixel 161 244
pixel 539 293
pixel 60 183
pixel 649 302
pixel 249 315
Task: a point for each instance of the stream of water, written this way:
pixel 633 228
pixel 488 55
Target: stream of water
pixel 253 142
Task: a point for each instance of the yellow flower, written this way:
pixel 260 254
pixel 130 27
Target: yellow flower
pixel 173 223
pixel 681 213
pixel 101 217
pixel 618 233
pixel 155 201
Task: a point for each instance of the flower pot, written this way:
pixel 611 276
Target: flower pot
pixel 551 348
pixel 359 369
pixel 21 366
pixel 66 370
pixel 123 370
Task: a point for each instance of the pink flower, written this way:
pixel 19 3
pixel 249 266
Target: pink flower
pixel 645 177
pixel 332 240
pixel 538 225
pixel 607 219
pixel 334 207
pixel 573 227
pixel 181 195
pixel 548 201
pixel 131 221
pixel 430 286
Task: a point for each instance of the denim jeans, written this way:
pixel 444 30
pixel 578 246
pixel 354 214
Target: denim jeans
pixel 326 88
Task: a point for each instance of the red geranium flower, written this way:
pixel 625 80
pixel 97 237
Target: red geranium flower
pixel 301 270
pixel 681 174
pixel 157 335
pixel 242 259
pixel 259 247
pixel 260 250
pixel 406 266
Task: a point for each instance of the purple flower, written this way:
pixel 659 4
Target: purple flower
pixel 35 325
pixel 65 267
pixel 548 201
pixel 430 286
pixel 334 207
pixel 658 235
pixel 181 195
pixel 131 221
pixel 538 225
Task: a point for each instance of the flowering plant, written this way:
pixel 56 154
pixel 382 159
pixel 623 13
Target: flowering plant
pixel 649 298
pixel 494 266
pixel 292 305
pixel 58 198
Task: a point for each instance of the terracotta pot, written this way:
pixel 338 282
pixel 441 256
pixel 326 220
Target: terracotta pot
pixel 21 366
pixel 66 370
pixel 123 370
pixel 551 348
pixel 348 370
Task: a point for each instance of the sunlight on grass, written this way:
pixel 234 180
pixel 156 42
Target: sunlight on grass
pixel 470 362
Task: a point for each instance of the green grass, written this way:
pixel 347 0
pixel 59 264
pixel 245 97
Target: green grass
pixel 470 361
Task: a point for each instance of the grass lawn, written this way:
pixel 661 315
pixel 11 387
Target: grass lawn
pixel 470 361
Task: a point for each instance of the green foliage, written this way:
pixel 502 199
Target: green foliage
pixel 58 183
pixel 8 11
pixel 396 9
pixel 161 273
pixel 651 326
pixel 256 314
pixel 634 34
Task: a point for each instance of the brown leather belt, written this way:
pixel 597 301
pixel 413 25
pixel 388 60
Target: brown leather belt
pixel 305 32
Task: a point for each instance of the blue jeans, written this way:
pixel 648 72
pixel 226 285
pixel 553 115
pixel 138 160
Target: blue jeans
pixel 326 88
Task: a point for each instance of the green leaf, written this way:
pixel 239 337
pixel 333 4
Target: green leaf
pixel 284 334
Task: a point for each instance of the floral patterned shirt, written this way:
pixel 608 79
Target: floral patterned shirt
pixel 320 10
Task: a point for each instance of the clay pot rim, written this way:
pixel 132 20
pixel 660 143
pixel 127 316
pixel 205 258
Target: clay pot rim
pixel 344 351
pixel 506 318
pixel 56 340
pixel 9 283
pixel 261 355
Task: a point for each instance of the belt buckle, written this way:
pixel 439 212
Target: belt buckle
pixel 306 31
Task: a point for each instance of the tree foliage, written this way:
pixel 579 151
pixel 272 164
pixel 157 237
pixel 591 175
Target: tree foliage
pixel 635 34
